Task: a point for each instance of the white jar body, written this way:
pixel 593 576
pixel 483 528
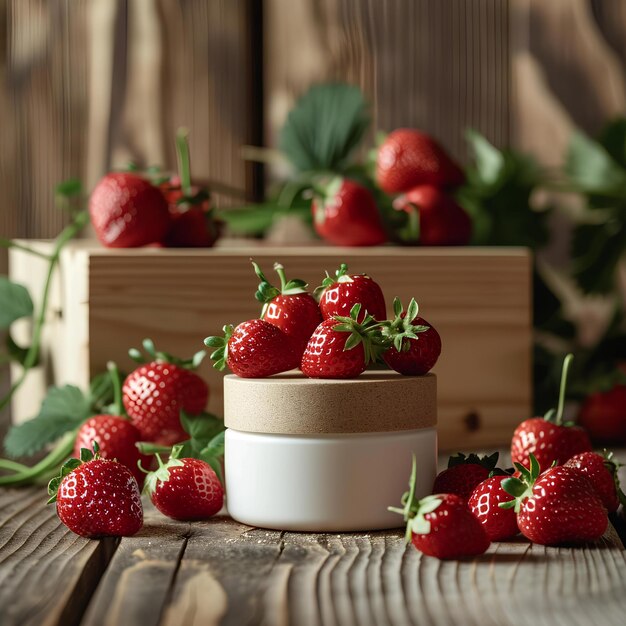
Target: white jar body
pixel 325 483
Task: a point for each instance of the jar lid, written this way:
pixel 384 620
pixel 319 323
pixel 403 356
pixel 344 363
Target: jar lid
pixel 291 404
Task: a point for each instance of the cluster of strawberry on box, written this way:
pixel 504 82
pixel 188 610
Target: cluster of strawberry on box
pixel 159 407
pixel 337 335
pixel 559 492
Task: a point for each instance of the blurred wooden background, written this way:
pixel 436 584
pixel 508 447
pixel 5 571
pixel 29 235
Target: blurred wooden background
pixel 90 84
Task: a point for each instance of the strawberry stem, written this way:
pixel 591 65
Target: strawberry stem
pixel 69 232
pixel 117 387
pixel 59 453
pixel 559 410
pixel 280 270
pixel 182 153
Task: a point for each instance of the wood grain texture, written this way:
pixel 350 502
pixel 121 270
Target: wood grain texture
pixel 478 299
pixel 440 66
pixel 47 573
pixel 222 572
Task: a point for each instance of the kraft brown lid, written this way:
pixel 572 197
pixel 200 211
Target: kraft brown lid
pixel 291 404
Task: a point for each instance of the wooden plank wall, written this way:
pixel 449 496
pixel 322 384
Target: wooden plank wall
pixel 89 84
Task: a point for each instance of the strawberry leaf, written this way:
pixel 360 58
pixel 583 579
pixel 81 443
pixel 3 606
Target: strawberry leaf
pixel 324 127
pixel 15 302
pixel 63 409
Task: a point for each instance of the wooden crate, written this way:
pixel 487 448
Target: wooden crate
pixel 105 301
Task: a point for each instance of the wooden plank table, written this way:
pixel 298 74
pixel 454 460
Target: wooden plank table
pixel 222 572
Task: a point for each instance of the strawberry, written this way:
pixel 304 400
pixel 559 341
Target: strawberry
pixel 342 347
pixel 185 489
pixel 127 211
pixel 464 474
pixel 441 221
pixel 155 393
pixel 603 415
pixel 97 497
pixel 116 438
pixel 409 157
pixel 345 214
pixel 193 223
pixel 441 525
pixel 254 349
pixel 338 295
pixel 415 344
pixel 499 523
pixel 547 437
pixel 291 308
pixel 601 470
pixel 556 507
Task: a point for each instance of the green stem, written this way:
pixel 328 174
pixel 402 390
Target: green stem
pixel 117 388
pixel 559 411
pixel 12 466
pixel 9 243
pixel 69 232
pixel 182 152
pixel 280 270
pixel 59 453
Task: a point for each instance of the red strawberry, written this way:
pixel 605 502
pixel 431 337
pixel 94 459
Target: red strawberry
pixel 116 438
pixel 441 525
pixel 155 393
pixel 338 295
pixel 409 157
pixel 464 474
pixel 603 415
pixel 345 213
pixel 416 345
pixel 185 489
pixel 96 497
pixel 499 523
pixel 291 308
pixel 341 347
pixel 442 222
pixel 254 349
pixel 192 227
pixel 547 437
pixel 193 223
pixel 601 471
pixel 556 507
pixel 127 211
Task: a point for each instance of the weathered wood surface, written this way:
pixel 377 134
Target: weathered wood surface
pixel 222 572
pixel 478 299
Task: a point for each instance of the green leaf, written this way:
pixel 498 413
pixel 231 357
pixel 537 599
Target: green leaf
pixel 490 164
pixel 324 127
pixel 592 169
pixel 215 447
pixel 16 353
pixel 613 139
pixel 15 302
pixel 253 219
pixel 201 428
pixel 63 409
pixel 596 251
pixel 69 188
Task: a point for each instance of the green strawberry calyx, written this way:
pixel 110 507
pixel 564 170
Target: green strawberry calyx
pixel 556 415
pixel 400 328
pixel 367 333
pixel 220 345
pixel 69 466
pixel 521 488
pixel 266 292
pixel 613 465
pixel 162 473
pixel 489 462
pixel 341 276
pixel 164 357
pixel 414 511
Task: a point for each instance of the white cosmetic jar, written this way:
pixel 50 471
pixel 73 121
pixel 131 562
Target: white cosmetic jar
pixel 327 455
